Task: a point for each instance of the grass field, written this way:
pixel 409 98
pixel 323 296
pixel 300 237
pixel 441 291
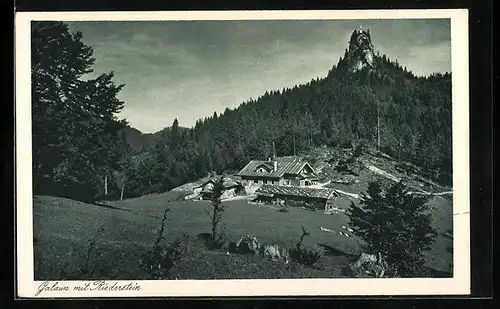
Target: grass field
pixel 64 229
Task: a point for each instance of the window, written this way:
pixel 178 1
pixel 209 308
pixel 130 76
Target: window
pixel 263 169
pixel 255 181
pixel 265 181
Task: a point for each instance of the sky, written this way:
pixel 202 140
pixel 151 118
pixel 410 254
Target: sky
pixel 189 69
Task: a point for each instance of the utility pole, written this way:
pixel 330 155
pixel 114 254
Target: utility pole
pixel 274 152
pixel 293 143
pixel 105 184
pixel 123 187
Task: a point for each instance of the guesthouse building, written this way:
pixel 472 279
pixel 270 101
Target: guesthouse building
pixel 280 171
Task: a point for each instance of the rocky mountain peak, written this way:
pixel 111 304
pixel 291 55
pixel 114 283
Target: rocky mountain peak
pixel 360 54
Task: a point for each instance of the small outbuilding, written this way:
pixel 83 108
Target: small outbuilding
pixel 231 188
pixel 317 198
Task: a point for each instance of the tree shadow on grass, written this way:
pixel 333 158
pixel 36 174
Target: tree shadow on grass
pixel 331 251
pixel 109 206
pixel 125 209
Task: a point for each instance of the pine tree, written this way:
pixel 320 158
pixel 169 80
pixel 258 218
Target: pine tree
pixel 218 208
pixel 395 224
pixel 175 135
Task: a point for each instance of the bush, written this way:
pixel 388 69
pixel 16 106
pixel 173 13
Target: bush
pixel 218 236
pixel 159 260
pixel 358 151
pixel 87 269
pixel 283 209
pixel 342 167
pixel 302 255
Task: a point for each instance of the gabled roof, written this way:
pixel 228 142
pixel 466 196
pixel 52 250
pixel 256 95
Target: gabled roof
pixel 324 193
pixel 285 166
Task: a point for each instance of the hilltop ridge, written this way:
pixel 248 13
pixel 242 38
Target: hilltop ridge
pixel 360 54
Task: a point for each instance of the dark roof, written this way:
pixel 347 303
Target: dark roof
pixel 284 166
pixel 323 193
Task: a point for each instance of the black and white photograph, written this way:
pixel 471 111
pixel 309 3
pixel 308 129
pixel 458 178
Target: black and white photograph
pixel 224 151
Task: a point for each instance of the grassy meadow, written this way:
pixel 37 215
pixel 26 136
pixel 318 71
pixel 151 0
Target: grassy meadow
pixel 74 240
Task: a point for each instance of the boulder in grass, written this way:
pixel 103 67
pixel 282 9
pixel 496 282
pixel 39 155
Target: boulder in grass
pixel 248 244
pixel 275 253
pixel 369 265
pixel 271 252
pixel 285 255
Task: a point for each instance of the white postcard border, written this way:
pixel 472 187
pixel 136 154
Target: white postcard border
pixel 458 285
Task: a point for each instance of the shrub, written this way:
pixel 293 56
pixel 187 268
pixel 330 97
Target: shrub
pixel 309 206
pixel 159 260
pixel 303 255
pixel 283 209
pixel 87 269
pixel 218 236
pixel 358 151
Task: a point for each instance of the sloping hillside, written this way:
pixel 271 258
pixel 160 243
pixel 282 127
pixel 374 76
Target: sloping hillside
pixel 344 168
pixel 144 142
pixel 65 231
pixel 74 240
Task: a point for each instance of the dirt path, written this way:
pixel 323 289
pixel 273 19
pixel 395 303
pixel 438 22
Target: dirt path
pixel 383 173
pixel 396 179
pixel 440 194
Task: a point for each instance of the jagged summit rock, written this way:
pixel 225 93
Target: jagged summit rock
pixel 360 54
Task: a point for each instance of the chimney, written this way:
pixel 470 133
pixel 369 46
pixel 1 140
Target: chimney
pixel 275 167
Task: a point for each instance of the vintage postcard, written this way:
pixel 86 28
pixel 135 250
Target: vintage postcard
pixel 242 153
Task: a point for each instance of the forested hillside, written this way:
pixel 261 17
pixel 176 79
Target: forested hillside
pixel 82 151
pixel 371 102
pixel 139 142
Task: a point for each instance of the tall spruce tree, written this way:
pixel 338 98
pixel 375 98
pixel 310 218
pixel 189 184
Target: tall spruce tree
pixel 395 224
pixel 75 128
